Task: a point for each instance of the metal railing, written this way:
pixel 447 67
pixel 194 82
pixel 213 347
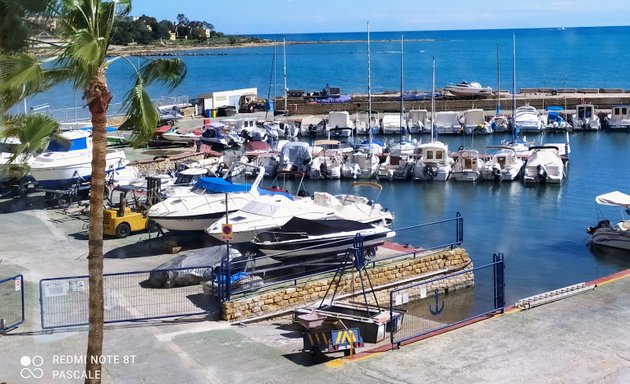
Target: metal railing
pixel 129 296
pixel 439 303
pixel 11 303
pixel 283 269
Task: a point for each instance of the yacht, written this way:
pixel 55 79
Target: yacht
pixel 475 122
pixel 205 202
pixel 502 165
pixel 467 166
pixel 544 166
pixel 619 119
pixel 527 120
pixel 469 89
pixel 585 118
pixel 299 238
pixel 447 123
pixel 434 162
pixel 63 163
pixel 271 212
pixel 612 235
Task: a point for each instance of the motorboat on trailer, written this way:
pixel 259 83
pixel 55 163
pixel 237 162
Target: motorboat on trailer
pixel 218 135
pixel 467 166
pixel 299 238
pixel 619 118
pixel 447 123
pixel 69 160
pixel 473 89
pixel 503 165
pixel 434 162
pixel 544 165
pixel 271 212
pixel 527 119
pixel 177 136
pixel 206 201
pixel 586 118
pixel 474 122
pixel 609 235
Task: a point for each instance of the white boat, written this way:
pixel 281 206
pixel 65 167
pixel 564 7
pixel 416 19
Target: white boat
pixel 528 120
pixel 218 135
pixel 8 146
pixel 204 203
pixel 65 163
pixel 469 89
pixel 544 166
pixel 397 166
pixel 500 124
pixel 418 121
pixel 390 124
pixel 271 212
pixel 362 163
pixel 474 122
pixel 585 118
pixel 502 165
pixel 367 122
pixel 447 123
pixel 467 166
pixel 177 136
pixel 555 121
pixel 295 156
pixel 281 129
pixel 318 238
pixel 246 128
pixel 341 120
pixel 326 166
pixel 619 119
pixel 607 234
pixel 434 162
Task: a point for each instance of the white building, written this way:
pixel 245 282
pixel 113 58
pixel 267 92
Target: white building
pixel 218 99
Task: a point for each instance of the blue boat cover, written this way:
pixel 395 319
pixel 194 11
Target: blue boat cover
pixel 220 185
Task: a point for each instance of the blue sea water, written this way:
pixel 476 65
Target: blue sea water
pixel 540 229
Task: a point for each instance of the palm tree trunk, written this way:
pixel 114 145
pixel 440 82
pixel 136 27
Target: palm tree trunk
pixel 98 98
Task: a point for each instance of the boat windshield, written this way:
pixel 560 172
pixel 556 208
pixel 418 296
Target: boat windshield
pixel 8 148
pixel 72 145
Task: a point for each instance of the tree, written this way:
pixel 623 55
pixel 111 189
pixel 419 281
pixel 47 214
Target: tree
pixel 82 59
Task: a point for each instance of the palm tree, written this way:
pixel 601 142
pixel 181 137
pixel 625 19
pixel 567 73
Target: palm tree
pixel 82 59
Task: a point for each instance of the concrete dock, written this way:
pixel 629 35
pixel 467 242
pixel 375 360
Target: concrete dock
pixel 584 338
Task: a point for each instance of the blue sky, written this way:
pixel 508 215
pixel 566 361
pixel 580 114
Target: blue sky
pixel 313 16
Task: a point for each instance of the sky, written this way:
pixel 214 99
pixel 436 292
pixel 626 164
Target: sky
pixel 317 16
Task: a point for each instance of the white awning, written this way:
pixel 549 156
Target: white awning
pixel 614 198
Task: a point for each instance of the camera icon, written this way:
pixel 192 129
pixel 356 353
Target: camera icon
pixel 35 362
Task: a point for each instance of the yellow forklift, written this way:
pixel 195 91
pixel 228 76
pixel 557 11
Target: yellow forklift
pixel 120 220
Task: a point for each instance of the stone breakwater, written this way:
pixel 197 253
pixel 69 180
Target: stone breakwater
pixel 384 277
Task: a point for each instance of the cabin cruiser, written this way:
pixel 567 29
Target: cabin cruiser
pixel 434 162
pixel 607 234
pixel 63 163
pixel 300 237
pixel 205 202
pixel 447 123
pixel 555 121
pixel 418 121
pixel 177 136
pixel 467 166
pixel 469 89
pixel 341 120
pixel 363 163
pixel 585 118
pixel 218 135
pixel 246 128
pixel 295 156
pixel 391 124
pixel 502 165
pixel 474 122
pixel 619 119
pixel 396 166
pixel 527 119
pixel 544 165
pixel 271 212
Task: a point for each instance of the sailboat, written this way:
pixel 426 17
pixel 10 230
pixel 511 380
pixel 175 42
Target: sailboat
pixel 500 123
pixel 279 129
pixel 434 162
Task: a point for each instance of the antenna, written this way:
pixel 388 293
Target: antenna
pixel 402 103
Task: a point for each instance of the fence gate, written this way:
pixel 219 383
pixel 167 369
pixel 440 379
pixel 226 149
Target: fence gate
pixel 11 303
pixel 448 300
pixel 129 296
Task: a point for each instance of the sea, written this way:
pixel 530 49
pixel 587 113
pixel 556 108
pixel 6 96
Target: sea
pixel 540 229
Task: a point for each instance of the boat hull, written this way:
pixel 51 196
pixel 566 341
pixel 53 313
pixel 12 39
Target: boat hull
pixel 611 237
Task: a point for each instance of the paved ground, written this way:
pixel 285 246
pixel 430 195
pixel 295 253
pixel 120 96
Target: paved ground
pixel 583 339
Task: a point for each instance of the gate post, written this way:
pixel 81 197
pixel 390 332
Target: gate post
pixel 499 280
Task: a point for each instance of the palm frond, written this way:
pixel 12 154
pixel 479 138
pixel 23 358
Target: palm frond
pixel 170 72
pixel 142 115
pixel 20 76
pixel 33 131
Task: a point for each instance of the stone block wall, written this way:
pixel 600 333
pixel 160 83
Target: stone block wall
pixel 162 165
pixel 386 275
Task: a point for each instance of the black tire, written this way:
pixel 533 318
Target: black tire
pixel 63 201
pixel 123 230
pixel 152 226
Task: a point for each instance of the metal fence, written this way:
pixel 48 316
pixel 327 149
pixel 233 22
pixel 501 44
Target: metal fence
pixel 282 268
pixel 442 302
pixel 129 296
pixel 11 303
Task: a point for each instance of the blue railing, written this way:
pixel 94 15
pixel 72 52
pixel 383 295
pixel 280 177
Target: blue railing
pixel 432 305
pixel 11 303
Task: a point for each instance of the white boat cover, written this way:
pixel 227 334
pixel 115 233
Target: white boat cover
pixel 617 199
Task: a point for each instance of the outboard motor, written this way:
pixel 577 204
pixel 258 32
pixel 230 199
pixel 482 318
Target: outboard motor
pixel 430 171
pixel 600 224
pixel 496 172
pixel 541 173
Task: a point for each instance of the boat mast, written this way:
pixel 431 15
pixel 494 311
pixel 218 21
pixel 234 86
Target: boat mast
pixel 514 129
pixel 402 103
pixel 433 130
pixel 272 77
pixel 369 123
pixel 498 84
pixel 284 48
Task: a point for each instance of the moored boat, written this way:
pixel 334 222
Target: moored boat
pixel 609 235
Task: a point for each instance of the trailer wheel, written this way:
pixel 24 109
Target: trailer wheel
pixel 123 230
pixel 152 226
pixel 63 201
